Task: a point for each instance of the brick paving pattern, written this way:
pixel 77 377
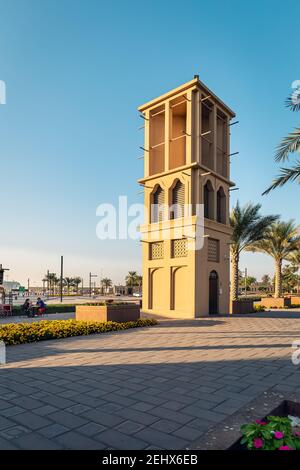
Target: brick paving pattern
pixel 148 388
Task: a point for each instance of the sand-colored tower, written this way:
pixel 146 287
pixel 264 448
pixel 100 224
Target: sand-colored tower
pixel 186 164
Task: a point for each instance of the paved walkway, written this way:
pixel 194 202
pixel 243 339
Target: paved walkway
pixel 150 388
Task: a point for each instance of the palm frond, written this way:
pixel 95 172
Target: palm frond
pixel 293 101
pixel 289 144
pixel 287 174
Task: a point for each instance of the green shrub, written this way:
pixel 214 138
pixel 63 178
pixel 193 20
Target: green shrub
pixel 19 333
pixel 259 308
pixel 52 308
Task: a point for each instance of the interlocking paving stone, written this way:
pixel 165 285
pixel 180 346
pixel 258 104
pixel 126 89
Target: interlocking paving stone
pixel 188 433
pixel 130 427
pixel 91 429
pixel 53 430
pixel 34 441
pixel 45 410
pixel 190 373
pixel 31 420
pixel 12 411
pixel 117 440
pixel 14 432
pixel 165 425
pixel 27 402
pixel 103 418
pixel 7 445
pixel 165 441
pixel 67 419
pixel 74 440
pixel 78 409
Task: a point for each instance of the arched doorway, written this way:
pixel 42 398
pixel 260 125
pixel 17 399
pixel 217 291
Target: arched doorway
pixel 213 293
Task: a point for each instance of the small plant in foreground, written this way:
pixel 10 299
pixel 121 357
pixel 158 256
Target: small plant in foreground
pixel 275 433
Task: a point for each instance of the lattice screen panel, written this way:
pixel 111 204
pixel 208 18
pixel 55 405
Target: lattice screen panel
pixel 213 250
pixel 156 250
pixel 179 248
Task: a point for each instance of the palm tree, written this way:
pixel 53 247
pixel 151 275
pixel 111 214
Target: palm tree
pixel 77 281
pixel 280 242
pixel 106 283
pixel 52 281
pixel 131 279
pixel 289 144
pixel 266 280
pixel 249 226
pixel 69 282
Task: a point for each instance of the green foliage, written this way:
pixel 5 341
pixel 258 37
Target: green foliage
pixel 288 145
pixel 19 333
pixel 52 308
pixel 248 225
pixel 272 434
pixel 259 308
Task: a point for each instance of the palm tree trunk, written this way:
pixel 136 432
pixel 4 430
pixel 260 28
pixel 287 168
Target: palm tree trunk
pixel 278 279
pixel 234 276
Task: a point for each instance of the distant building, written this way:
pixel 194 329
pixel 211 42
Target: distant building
pixel 11 285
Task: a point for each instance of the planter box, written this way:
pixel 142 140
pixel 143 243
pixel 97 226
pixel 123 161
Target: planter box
pixel 282 302
pixel 241 306
pixel 295 299
pixel 226 435
pixel 110 312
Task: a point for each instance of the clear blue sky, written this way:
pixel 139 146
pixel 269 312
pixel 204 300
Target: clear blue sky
pixel 75 72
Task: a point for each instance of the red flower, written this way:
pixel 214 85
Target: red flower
pixel 262 423
pixel 258 442
pixel 285 448
pixel 278 435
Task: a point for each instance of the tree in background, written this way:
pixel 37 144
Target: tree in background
pixel 77 280
pixel 249 226
pixel 52 281
pixel 266 280
pixel 290 278
pixel 281 241
pixel 68 282
pixel 106 283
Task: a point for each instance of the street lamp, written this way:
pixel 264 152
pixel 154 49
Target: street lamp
pixel 90 282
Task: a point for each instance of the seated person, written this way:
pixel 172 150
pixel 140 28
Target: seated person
pixel 26 307
pixel 41 306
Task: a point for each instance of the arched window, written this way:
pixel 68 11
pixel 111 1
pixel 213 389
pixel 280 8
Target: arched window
pixel 177 209
pixel 157 206
pixel 221 206
pixel 208 197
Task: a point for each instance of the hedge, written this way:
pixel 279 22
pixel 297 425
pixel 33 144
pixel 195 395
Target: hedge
pixel 52 308
pixel 19 333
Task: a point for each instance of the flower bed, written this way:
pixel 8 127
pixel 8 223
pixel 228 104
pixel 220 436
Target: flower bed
pixel 273 433
pixel 19 333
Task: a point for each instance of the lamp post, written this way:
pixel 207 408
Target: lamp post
pixel 90 282
pixel 61 277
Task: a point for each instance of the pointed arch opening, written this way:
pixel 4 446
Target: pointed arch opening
pixel 208 198
pixel 157 205
pixel 221 206
pixel 178 199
